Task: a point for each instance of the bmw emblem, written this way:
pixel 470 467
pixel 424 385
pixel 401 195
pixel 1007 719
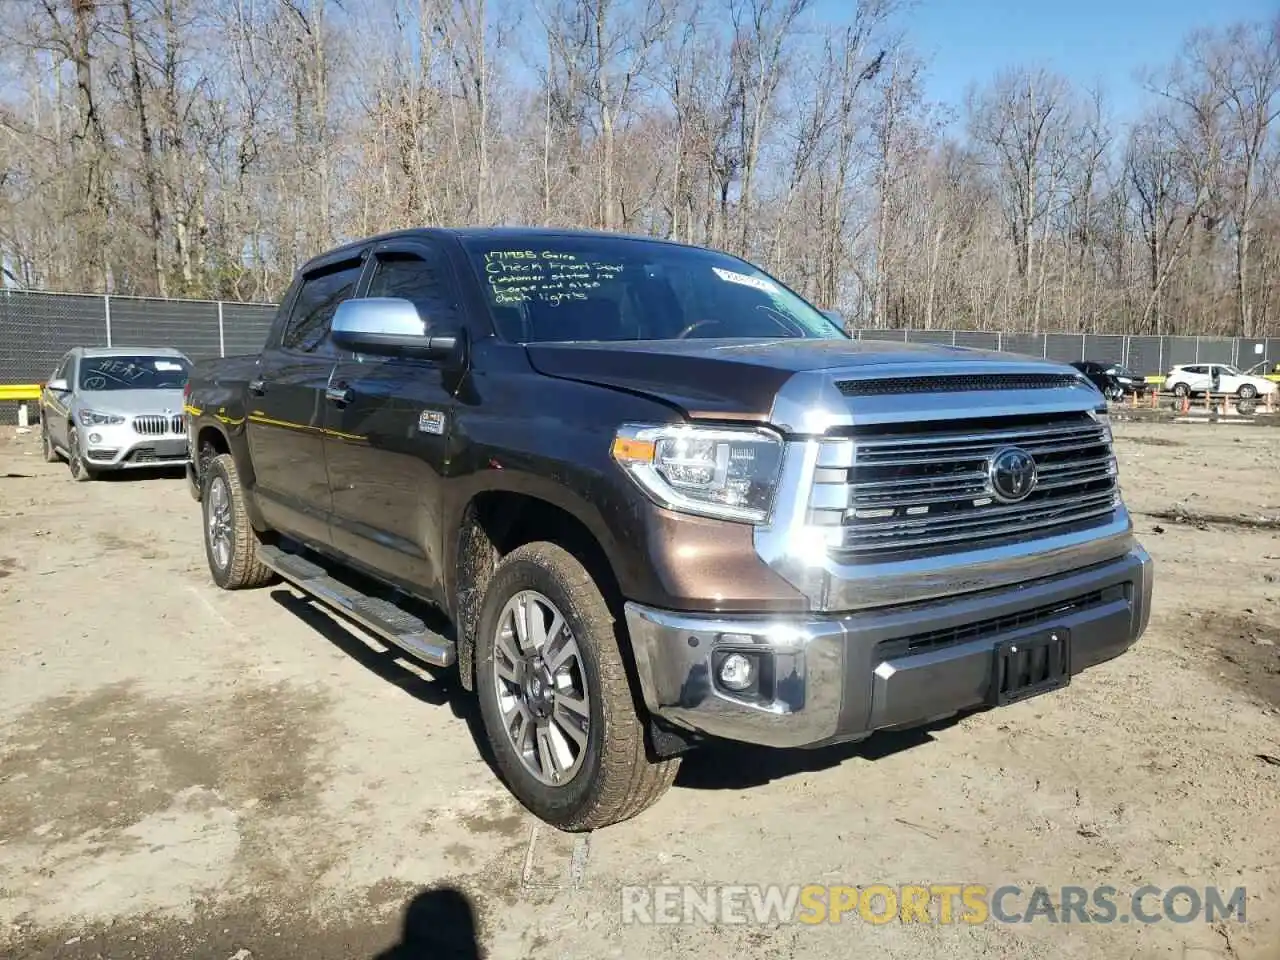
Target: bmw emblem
pixel 1012 474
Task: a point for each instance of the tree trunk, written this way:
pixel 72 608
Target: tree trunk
pixel 94 157
pixel 149 179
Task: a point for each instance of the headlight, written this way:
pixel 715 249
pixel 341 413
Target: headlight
pixel 712 472
pixel 1104 417
pixel 90 418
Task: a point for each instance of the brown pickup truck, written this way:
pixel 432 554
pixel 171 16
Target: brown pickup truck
pixel 642 496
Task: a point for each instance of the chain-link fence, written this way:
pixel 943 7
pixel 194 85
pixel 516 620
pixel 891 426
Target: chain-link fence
pixel 36 329
pixel 1143 355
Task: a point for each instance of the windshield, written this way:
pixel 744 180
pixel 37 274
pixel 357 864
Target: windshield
pixel 133 373
pixel 606 288
pixel 1228 370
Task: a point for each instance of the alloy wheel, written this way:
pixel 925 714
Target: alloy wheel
pixel 218 522
pixel 541 688
pixel 74 463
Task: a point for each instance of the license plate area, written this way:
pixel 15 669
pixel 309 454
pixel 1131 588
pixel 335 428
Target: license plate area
pixel 1030 666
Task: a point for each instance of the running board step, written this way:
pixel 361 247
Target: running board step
pixel 378 616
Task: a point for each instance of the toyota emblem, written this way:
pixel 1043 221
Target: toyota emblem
pixel 1012 474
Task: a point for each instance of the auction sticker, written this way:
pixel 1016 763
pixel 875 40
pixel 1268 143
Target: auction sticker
pixel 746 281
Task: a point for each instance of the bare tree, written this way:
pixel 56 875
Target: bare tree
pixel 205 147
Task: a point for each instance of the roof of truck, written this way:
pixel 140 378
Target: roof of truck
pixel 492 234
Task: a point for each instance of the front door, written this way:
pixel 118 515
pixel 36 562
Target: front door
pixel 286 408
pixel 55 405
pixel 1229 380
pixel 389 430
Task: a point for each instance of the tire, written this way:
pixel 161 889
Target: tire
pixel 80 471
pixel 612 777
pixel 1247 391
pixel 223 512
pixel 1181 390
pixel 46 445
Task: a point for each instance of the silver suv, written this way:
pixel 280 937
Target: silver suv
pixel 108 408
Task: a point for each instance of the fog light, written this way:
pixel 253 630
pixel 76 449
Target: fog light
pixel 737 672
pixel 95 438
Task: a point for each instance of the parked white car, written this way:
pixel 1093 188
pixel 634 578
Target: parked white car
pixel 1196 377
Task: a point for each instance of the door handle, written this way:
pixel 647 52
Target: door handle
pixel 339 395
pixel 257 387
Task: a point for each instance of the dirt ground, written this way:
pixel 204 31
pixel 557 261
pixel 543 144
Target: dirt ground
pixel 191 773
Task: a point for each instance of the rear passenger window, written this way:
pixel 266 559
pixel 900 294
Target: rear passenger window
pixel 423 279
pixel 308 327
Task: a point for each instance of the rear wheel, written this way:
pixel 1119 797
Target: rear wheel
pixel 230 542
pixel 554 695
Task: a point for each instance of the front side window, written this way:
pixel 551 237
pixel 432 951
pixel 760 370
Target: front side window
pixel 607 288
pixel 423 279
pixel 140 372
pixel 322 291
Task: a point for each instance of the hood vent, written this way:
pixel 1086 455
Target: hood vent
pixel 962 383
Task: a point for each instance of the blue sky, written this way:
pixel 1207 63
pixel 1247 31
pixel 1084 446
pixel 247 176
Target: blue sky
pixel 969 41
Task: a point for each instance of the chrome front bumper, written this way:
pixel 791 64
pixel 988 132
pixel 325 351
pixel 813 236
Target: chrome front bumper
pixel 840 677
pixel 119 447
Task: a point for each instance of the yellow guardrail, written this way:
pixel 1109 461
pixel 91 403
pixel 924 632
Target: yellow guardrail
pixel 20 391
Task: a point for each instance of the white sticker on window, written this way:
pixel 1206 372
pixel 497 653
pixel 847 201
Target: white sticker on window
pixel 746 281
pixel 168 366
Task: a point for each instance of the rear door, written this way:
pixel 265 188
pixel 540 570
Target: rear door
pixel 389 429
pixel 286 406
pixel 1197 377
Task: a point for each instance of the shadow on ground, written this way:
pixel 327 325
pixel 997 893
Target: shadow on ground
pixel 741 766
pixel 720 766
pixel 439 923
pixel 439 688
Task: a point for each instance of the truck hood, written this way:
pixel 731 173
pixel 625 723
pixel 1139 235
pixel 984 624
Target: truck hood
pixel 740 379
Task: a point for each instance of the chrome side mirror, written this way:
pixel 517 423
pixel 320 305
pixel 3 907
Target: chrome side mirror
pixel 390 326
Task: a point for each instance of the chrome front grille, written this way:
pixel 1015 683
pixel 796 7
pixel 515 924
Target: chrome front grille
pixel 157 425
pixel 905 490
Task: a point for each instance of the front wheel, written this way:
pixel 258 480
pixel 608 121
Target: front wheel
pixel 80 470
pixel 46 443
pixel 230 542
pixel 1247 391
pixel 554 695
pixel 1181 390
